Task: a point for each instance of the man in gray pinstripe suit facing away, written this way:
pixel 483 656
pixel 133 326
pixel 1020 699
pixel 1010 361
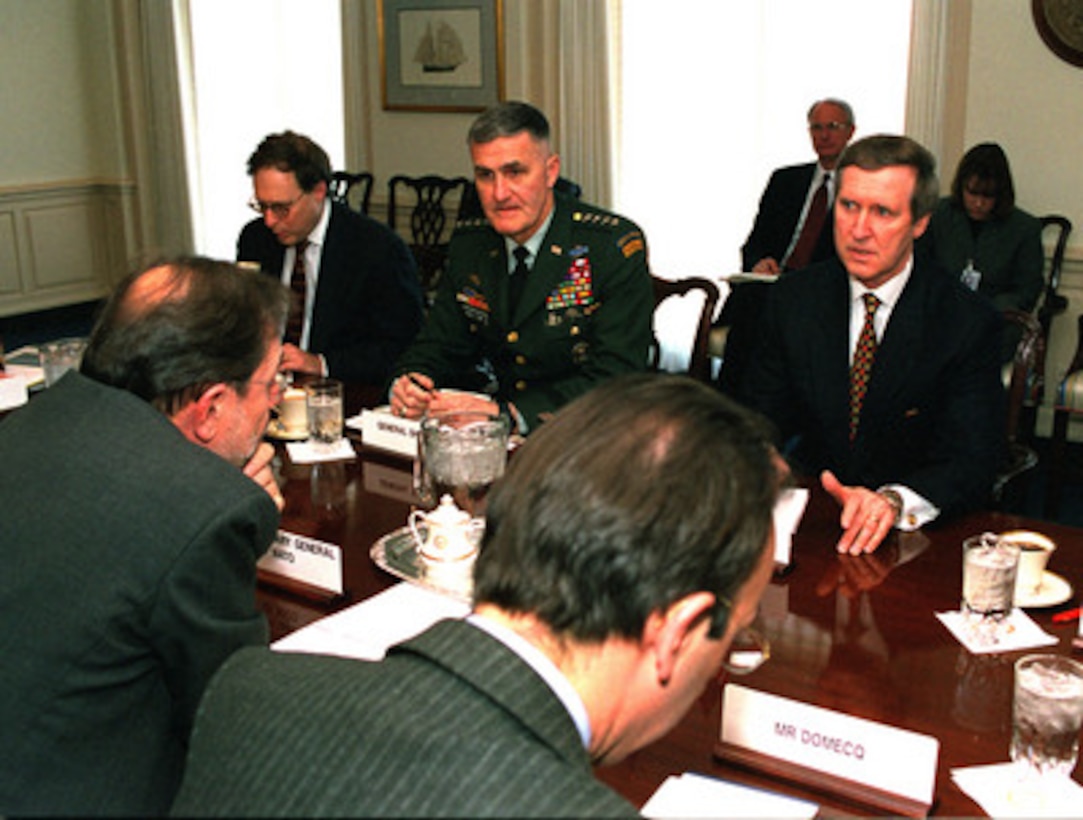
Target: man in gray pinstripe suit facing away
pixel 627 545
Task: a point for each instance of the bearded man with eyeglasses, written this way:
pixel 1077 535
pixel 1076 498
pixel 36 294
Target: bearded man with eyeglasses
pixel 357 301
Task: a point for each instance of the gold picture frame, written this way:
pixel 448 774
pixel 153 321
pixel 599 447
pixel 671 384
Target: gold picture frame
pixel 441 55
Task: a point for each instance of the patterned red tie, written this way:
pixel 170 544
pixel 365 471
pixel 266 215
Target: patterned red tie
pixel 299 288
pixel 864 354
pixel 810 232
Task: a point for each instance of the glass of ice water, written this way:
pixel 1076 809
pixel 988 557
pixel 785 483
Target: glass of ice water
pixel 989 567
pixel 461 454
pixel 325 412
pixel 1046 714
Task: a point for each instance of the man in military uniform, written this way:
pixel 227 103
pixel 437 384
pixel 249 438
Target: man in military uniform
pixel 548 295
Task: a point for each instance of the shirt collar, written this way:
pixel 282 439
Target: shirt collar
pixel 318 233
pixel 533 244
pixel 545 669
pixel 889 292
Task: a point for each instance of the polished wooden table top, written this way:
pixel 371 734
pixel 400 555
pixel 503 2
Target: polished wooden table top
pixel 853 634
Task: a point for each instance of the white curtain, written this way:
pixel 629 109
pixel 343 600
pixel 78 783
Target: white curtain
pixel 566 74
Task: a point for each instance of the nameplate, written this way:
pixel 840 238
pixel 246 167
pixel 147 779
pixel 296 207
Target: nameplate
pixel 308 564
pixel 12 391
pixel 381 429
pixel 879 765
pixel 389 482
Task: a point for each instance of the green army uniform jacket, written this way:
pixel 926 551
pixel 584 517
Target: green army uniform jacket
pixel 584 316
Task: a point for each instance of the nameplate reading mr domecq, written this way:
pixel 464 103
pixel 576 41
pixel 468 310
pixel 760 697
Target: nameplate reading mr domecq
pixel 307 562
pixel 868 761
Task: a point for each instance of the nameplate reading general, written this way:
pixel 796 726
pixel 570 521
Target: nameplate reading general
pixel 303 559
pixel 883 757
pixel 381 429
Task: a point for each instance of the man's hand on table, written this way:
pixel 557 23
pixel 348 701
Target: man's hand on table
pixel 258 468
pixel 414 394
pixel 867 516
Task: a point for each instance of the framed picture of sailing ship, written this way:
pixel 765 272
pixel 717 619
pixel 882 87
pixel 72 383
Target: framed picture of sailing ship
pixel 441 55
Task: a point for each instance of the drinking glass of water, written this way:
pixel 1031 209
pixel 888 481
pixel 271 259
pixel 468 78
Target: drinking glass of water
pixel 325 412
pixel 1046 714
pixel 989 567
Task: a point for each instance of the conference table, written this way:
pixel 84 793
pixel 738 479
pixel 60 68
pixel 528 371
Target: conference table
pixel 852 634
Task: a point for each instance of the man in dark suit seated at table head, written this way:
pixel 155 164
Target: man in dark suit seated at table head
pixel 138 496
pixel 626 546
pixel 793 228
pixel 549 295
pixel 884 370
pixel 357 302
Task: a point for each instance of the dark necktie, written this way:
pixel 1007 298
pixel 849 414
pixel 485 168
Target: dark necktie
pixel 864 354
pixel 299 289
pixel 518 278
pixel 810 231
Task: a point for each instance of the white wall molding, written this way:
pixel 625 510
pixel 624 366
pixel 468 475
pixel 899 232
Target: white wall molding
pixel 62 243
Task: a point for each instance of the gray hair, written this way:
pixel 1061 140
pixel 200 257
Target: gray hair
pixel 507 119
pixel 845 106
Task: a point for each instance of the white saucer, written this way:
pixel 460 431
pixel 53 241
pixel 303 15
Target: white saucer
pixel 277 431
pixel 1053 590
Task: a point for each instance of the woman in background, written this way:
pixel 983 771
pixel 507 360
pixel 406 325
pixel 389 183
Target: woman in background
pixel 978 234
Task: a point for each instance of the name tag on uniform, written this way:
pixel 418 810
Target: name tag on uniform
pixel 304 564
pixel 876 764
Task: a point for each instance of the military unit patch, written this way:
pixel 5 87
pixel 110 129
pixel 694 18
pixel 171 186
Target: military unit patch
pixel 474 305
pixel 631 244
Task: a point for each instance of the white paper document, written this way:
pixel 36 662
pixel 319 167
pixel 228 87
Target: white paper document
pixel 367 629
pixel 695 795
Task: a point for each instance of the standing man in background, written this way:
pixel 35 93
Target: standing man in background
pixel 357 295
pixel 546 295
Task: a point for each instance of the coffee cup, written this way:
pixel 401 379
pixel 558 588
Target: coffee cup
pixel 293 411
pixel 1034 552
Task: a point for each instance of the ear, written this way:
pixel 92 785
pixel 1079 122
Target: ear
pixel 205 415
pixel 552 169
pixel 921 225
pixel 673 630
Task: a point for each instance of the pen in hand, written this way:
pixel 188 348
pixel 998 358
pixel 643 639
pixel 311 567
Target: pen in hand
pixel 414 380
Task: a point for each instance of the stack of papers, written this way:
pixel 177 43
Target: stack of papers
pixel 367 629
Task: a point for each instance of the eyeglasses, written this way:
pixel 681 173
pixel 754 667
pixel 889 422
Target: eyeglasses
pixel 817 127
pixel 275 387
pixel 749 651
pixel 280 209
